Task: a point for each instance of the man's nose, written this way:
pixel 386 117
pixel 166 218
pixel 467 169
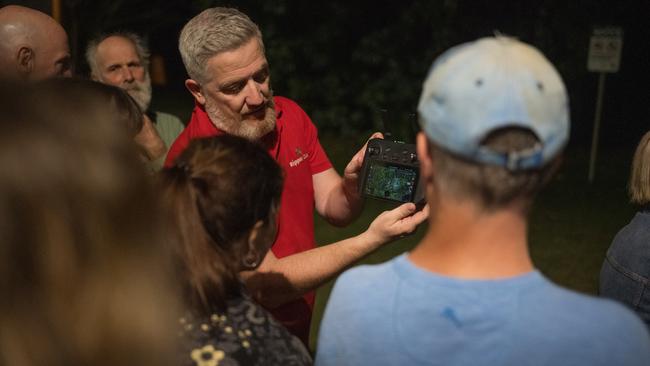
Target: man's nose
pixel 127 75
pixel 254 95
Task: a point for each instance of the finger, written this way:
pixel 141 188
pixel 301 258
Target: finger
pixel 410 223
pixel 402 211
pixel 426 209
pixel 424 212
pixel 418 218
pixel 356 162
pixel 376 135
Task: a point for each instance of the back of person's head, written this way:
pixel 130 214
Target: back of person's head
pixel 138 42
pixel 83 272
pixel 221 190
pixel 211 32
pixel 113 101
pixel 639 185
pixel 33 46
pixel 495 113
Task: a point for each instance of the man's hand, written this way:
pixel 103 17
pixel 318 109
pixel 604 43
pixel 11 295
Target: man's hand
pixel 149 140
pixel 351 172
pixel 337 198
pixel 390 225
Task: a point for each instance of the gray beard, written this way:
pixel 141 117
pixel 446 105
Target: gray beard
pixel 252 131
pixel 141 92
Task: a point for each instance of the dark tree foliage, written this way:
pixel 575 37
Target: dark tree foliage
pixel 344 61
pixel 85 19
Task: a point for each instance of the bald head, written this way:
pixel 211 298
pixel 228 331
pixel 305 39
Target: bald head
pixel 33 46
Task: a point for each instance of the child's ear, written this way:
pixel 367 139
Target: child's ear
pixel 252 258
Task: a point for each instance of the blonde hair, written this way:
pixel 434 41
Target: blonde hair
pixel 639 185
pixel 83 265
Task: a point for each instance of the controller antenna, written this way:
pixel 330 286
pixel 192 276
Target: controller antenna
pixel 383 124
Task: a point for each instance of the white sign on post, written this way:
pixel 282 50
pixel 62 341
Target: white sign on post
pixel 605 49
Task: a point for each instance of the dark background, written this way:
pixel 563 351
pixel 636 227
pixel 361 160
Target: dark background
pixel 343 61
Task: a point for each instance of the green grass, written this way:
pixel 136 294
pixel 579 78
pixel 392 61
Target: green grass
pixel 571 224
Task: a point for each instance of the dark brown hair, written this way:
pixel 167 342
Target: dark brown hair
pixel 218 189
pixel 83 270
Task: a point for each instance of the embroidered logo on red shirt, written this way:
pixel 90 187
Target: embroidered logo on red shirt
pixel 300 159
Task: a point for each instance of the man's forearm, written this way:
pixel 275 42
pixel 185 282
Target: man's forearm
pixel 280 280
pixel 343 205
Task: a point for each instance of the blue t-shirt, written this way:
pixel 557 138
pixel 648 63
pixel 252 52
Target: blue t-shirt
pixel 397 314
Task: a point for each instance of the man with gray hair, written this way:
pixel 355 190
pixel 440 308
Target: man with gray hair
pixel 122 59
pixel 33 46
pixel 223 53
pixel 495 119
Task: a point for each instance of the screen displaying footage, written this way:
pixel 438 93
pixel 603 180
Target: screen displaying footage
pixel 391 182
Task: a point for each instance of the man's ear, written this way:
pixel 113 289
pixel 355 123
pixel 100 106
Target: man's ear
pixel 25 60
pixel 195 90
pixel 426 163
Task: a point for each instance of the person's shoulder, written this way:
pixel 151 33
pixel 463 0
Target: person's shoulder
pixel 367 272
pixel 364 278
pixel 583 303
pixel 598 318
pixel 613 329
pixel 167 116
pixel 289 110
pixel 284 103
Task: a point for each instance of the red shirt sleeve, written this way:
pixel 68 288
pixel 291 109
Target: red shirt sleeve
pixel 176 149
pixel 305 131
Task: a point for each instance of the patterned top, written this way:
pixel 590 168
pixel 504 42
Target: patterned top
pixel 245 334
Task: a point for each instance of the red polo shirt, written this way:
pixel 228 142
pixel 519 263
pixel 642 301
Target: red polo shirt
pixel 300 155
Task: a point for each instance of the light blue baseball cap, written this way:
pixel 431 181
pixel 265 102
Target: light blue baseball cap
pixel 479 87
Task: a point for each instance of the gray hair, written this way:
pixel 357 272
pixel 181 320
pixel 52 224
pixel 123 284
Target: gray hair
pixel 213 31
pixel 140 48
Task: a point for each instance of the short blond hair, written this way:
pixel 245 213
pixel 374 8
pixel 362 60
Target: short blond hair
pixel 491 187
pixel 639 185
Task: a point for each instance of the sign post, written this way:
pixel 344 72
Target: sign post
pixel 604 57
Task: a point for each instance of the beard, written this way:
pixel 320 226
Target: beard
pixel 140 91
pixel 247 127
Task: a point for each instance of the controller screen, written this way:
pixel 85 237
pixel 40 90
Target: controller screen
pixel 391 182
